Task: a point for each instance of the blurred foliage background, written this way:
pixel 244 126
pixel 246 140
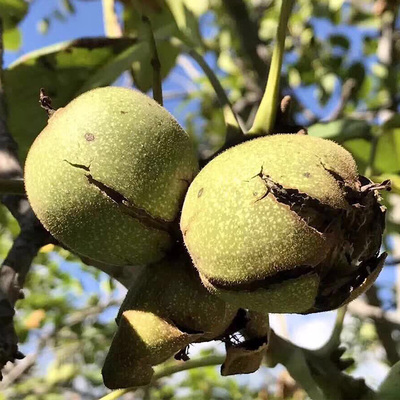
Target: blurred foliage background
pixel 342 70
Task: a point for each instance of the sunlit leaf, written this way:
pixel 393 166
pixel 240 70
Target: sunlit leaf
pixel 60 373
pixel 184 13
pixel 387 157
pixel 361 150
pixel 390 387
pixel 43 25
pixel 164 27
pixel 12 39
pixel 68 6
pixel 341 130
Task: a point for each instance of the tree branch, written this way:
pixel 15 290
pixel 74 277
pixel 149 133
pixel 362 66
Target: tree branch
pixel 387 52
pixel 319 372
pixel 12 186
pixel 359 308
pixel 154 60
pixel 384 328
pixel 25 247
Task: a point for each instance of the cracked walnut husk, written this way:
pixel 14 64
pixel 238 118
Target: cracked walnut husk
pixel 285 224
pixel 108 174
pixel 166 309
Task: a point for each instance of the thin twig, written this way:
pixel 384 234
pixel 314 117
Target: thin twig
pixel 164 371
pixel 12 186
pixel 359 308
pixel 76 317
pixel 234 126
pixel 24 365
pixel 334 340
pixel 154 60
pixel 347 91
pixel 25 247
pixel 319 372
pixel 384 328
pixel 45 102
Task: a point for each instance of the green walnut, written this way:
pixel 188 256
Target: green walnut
pixel 108 174
pixel 165 310
pixel 284 224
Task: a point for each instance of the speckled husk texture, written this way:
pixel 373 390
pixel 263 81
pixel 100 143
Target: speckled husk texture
pixel 165 310
pixel 271 223
pixel 108 174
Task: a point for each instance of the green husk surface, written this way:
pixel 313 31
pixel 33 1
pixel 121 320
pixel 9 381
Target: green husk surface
pixel 272 221
pixel 108 174
pixel 165 310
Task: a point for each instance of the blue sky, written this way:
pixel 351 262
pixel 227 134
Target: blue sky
pixel 87 21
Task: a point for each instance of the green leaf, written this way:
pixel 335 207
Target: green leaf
pixel 361 150
pixel 335 5
pixel 328 82
pixel 393 122
pixel 341 129
pixel 186 16
pixel 390 387
pixel 356 72
pixel 12 12
pixel 370 46
pixel 68 6
pixel 164 27
pixel 63 70
pixel 110 71
pixel 387 158
pixel 12 39
pixel 43 25
pixel 60 373
pixel 365 20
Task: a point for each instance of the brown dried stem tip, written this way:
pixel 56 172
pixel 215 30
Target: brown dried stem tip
pixel 45 102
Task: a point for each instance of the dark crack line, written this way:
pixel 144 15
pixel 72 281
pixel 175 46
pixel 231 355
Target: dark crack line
pixel 335 292
pixel 276 279
pixel 319 216
pixel 186 329
pixel 338 178
pixel 356 228
pixel 80 166
pixel 128 208
pixel 124 204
